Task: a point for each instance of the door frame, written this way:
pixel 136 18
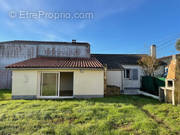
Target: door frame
pixel 58 84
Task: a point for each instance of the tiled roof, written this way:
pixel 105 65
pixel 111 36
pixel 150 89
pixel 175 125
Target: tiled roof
pixel 55 62
pixel 115 61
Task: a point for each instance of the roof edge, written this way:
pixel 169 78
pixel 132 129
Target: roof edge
pixel 44 42
pixel 115 54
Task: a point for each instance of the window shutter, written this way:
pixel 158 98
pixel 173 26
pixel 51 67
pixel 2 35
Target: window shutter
pixel 131 75
pixel 135 74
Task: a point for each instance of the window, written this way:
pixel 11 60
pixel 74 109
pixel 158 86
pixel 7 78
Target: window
pixel 131 74
pixel 127 73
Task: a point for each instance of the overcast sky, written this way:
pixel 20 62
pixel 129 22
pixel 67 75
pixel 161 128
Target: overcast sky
pixel 115 26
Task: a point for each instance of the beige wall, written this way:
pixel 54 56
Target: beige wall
pixel 24 83
pixel 89 82
pixel 86 82
pixel 115 78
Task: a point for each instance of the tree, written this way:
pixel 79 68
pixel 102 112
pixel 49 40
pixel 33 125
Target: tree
pixel 178 45
pixel 149 65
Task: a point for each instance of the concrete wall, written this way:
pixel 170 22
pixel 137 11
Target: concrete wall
pixel 127 83
pixel 11 53
pixel 5 78
pixel 87 83
pixel 63 51
pixel 115 78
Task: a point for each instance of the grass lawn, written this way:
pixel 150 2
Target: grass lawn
pixel 104 116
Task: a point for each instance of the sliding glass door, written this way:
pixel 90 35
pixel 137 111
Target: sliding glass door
pixel 49 84
pixel 56 84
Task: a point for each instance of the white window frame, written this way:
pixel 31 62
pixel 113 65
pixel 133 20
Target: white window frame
pixel 125 76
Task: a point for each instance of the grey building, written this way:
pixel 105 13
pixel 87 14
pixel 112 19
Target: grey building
pixel 19 50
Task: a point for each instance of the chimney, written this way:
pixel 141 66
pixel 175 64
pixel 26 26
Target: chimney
pixel 153 51
pixel 174 57
pixel 73 41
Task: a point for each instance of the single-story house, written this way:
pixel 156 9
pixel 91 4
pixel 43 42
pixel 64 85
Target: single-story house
pixel 57 77
pixel 123 70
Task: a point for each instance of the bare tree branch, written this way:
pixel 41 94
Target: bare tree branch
pixel 149 65
pixel 178 45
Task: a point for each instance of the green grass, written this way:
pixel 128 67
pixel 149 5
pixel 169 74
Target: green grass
pixel 103 116
pixel 5 94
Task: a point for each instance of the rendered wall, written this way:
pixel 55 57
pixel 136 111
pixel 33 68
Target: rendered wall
pixel 24 83
pixel 87 83
pixel 115 78
pixel 133 83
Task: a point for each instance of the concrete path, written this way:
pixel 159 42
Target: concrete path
pixel 131 92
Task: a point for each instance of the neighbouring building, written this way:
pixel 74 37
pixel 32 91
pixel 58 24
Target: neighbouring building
pixel 123 70
pixel 163 69
pixel 16 51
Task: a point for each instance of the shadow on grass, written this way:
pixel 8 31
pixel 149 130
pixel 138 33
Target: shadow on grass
pixel 128 99
pixel 5 94
pixel 139 100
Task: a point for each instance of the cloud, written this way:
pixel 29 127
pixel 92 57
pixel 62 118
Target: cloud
pixel 4 5
pixel 60 29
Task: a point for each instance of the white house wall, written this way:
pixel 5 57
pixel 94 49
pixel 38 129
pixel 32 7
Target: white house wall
pixel 127 83
pixel 114 78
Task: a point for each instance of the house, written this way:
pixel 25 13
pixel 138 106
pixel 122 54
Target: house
pixel 42 69
pixel 20 50
pixel 52 77
pixel 55 70
pixel 123 70
pixel 163 69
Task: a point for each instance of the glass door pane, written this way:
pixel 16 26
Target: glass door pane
pixel 49 85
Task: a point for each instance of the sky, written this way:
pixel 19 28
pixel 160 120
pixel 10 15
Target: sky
pixel 114 27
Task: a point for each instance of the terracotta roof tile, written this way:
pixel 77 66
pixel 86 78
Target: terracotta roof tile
pixel 55 62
